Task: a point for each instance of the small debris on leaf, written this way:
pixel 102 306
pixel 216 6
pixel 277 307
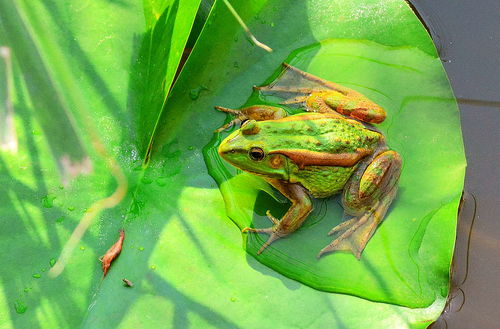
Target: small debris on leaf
pixel 127 283
pixel 112 253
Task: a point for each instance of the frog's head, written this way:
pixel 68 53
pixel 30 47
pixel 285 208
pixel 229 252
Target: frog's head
pixel 248 148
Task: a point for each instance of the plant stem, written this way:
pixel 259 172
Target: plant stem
pixel 245 27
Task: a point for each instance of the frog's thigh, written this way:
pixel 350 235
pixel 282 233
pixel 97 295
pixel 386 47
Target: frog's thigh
pixel 255 112
pixel 368 187
pixel 263 112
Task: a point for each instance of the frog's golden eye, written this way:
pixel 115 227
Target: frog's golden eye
pixel 256 154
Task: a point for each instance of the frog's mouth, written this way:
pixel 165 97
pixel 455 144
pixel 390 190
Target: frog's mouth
pixel 231 154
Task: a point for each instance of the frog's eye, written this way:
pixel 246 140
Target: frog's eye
pixel 256 154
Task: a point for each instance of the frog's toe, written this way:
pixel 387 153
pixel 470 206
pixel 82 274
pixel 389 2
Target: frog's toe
pixel 228 125
pixel 273 235
pixel 272 218
pixel 342 226
pixel 355 234
pixel 340 245
pixel 258 230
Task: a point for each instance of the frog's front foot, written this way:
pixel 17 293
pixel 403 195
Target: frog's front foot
pixel 274 232
pixel 256 112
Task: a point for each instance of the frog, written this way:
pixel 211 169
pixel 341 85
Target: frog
pixel 330 148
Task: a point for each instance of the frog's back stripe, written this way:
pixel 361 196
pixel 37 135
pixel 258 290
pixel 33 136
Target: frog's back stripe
pixel 304 158
pixel 317 116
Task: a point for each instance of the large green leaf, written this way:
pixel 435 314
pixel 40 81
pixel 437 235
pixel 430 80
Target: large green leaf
pixel 84 74
pixel 185 256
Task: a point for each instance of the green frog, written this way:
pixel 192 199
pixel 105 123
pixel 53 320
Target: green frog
pixel 331 148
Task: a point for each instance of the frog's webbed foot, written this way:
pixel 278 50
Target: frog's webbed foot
pixel 256 112
pixel 355 233
pixel 274 232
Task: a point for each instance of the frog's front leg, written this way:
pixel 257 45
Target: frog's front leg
pixel 294 217
pixel 256 112
pixel 367 195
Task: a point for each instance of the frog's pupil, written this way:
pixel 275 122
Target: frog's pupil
pixel 256 153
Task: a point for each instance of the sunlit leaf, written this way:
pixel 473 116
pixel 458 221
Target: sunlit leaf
pixel 188 261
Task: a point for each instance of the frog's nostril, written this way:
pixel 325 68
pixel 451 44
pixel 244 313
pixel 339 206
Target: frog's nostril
pixel 225 149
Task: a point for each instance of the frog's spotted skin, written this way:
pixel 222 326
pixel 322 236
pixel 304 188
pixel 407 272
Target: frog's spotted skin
pixel 322 181
pixel 319 154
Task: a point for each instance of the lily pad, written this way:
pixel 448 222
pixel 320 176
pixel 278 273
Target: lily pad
pixel 395 267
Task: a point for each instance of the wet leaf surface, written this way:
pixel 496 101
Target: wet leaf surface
pixel 183 253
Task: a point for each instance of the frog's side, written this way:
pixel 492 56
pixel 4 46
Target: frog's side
pixel 319 154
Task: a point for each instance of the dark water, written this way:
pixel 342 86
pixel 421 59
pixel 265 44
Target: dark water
pixel 467 35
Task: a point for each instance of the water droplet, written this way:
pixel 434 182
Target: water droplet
pixel 153 267
pixel 146 180
pixel 141 248
pixel 71 208
pixel 37 275
pixel 48 201
pixel 82 248
pixel 271 24
pixel 195 93
pixel 52 262
pixel 60 219
pixel 190 148
pixel 161 181
pixel 20 306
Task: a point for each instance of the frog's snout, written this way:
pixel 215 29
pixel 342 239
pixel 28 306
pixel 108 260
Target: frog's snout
pixel 226 149
pixel 223 149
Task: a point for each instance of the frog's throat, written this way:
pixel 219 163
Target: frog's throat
pixel 304 158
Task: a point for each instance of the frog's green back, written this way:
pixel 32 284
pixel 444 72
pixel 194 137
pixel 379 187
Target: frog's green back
pixel 315 132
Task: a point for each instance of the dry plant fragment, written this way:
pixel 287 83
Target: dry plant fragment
pixel 127 283
pixel 112 253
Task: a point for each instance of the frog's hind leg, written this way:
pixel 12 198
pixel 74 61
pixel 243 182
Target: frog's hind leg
pixel 368 194
pixel 315 94
pixel 295 86
pixel 355 233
